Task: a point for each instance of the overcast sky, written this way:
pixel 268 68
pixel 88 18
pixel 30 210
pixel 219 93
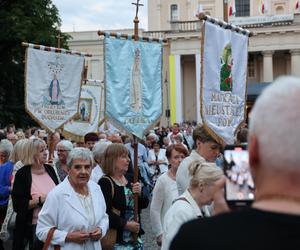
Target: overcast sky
pixel 86 15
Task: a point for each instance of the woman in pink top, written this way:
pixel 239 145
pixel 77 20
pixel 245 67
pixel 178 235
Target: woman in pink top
pixel 31 185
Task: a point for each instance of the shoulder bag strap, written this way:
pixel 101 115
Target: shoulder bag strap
pixel 181 199
pixel 116 211
pixel 49 238
pixel 112 185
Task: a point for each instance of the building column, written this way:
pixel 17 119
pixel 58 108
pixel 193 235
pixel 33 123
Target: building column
pixel 295 62
pixel 198 72
pixel 267 66
pixel 176 89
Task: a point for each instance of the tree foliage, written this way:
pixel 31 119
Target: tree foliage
pixel 34 21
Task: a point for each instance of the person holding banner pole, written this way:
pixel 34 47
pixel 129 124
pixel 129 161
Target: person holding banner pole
pixel 118 191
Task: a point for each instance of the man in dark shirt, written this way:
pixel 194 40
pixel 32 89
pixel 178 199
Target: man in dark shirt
pixel 273 221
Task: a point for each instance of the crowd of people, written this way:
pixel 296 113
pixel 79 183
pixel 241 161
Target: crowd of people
pixel 88 188
pixel 85 195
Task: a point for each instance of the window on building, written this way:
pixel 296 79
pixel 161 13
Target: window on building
pixel 242 8
pixel 174 12
pixel 251 66
pixel 279 10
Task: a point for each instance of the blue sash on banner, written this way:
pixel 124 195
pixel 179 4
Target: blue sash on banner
pixel 133 78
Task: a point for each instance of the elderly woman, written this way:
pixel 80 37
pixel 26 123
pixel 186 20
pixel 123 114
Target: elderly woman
pixel 165 190
pixel 31 185
pixel 60 165
pixel 6 168
pixel 98 152
pixel 76 207
pixel 205 180
pixel 118 193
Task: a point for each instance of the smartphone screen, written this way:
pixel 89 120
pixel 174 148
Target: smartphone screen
pixel 239 187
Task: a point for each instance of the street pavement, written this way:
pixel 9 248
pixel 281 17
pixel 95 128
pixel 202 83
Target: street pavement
pixel 148 237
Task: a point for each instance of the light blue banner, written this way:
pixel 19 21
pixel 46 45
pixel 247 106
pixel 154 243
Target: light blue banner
pixel 133 79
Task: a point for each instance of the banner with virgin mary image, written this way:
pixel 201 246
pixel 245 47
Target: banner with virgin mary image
pixel 91 105
pixel 224 81
pixel 133 84
pixel 52 86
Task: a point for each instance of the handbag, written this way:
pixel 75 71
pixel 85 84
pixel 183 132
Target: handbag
pixel 109 240
pixel 49 238
pixel 8 223
pixel 12 221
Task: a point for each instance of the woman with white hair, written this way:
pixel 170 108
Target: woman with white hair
pixel 98 152
pixel 76 208
pixel 205 180
pixel 60 164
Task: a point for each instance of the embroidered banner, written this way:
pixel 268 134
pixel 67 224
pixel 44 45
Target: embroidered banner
pixel 224 82
pixel 133 78
pixel 52 86
pixel 90 106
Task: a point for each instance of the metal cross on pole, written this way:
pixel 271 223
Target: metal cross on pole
pixel 136 20
pixel 137 4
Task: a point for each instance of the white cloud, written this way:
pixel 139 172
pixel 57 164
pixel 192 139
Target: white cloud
pixel 81 15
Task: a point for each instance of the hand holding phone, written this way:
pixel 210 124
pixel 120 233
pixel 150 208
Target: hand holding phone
pixel 239 187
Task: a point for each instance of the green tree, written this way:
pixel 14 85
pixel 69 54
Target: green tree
pixel 34 21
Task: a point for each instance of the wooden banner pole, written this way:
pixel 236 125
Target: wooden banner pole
pixel 135 139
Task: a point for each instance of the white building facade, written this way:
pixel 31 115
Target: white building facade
pixel 274 49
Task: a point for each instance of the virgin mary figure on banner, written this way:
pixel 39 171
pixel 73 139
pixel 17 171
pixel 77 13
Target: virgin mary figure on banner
pixel 52 86
pixel 133 101
pixel 54 91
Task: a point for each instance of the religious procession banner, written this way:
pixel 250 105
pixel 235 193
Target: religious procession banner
pixel 223 81
pixel 91 105
pixel 52 86
pixel 133 80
